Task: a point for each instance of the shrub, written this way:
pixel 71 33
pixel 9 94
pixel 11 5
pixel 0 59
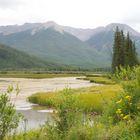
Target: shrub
pixel 125 107
pixel 125 73
pixel 67 116
pixel 9 119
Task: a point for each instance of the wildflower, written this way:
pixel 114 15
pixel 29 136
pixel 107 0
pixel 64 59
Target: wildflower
pixel 121 115
pixel 126 117
pixel 119 101
pixel 118 111
pixel 128 97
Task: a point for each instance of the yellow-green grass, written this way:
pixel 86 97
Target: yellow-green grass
pixel 99 79
pixel 37 75
pixel 90 99
pixel 46 99
pixel 96 97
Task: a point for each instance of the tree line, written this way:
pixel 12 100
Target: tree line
pixel 124 51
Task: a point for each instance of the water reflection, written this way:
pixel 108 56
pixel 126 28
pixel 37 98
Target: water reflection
pixel 34 118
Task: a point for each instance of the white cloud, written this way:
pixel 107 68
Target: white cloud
pixel 77 13
pixel 9 4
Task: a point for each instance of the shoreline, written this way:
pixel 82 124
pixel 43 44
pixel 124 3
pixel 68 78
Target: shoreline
pixel 30 86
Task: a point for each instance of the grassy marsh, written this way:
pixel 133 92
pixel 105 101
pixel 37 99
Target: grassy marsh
pixel 105 99
pixel 91 98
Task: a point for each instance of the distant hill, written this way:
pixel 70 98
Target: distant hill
pixel 63 45
pixel 11 58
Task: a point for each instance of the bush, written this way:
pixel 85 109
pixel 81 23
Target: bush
pixel 126 105
pixel 9 119
pixel 68 115
pixel 125 73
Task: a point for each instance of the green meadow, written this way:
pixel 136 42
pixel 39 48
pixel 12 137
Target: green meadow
pixel 108 110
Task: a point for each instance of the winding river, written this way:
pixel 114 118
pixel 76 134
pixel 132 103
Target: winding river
pixel 35 115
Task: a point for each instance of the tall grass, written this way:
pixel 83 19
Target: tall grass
pixel 91 98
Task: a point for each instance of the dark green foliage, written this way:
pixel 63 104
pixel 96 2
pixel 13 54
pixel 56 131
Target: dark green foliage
pixel 124 52
pixel 130 52
pixel 118 52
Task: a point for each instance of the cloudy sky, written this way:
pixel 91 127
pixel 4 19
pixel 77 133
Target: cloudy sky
pixel 76 13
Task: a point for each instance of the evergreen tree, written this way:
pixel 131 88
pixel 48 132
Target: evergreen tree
pixel 115 50
pixel 121 50
pixel 124 51
pixel 131 58
pixel 118 50
pixel 127 50
pixel 134 56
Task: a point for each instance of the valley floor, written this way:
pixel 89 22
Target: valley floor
pixel 96 102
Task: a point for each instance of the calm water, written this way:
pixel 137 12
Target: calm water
pixel 35 115
pixel 34 118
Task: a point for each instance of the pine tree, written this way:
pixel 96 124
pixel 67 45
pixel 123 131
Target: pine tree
pixel 127 50
pixel 115 50
pixel 131 58
pixel 134 56
pixel 121 50
pixel 118 50
pixel 124 51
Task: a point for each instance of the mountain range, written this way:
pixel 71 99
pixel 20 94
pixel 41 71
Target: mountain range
pixel 67 46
